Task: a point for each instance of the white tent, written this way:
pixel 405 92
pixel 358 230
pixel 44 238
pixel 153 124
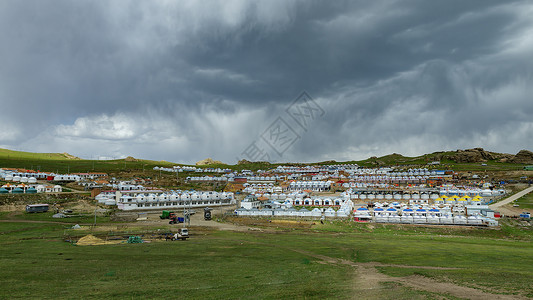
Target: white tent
pixel 330 212
pixel 316 212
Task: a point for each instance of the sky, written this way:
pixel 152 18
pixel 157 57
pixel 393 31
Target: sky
pixel 273 80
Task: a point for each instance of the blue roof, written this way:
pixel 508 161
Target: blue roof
pixel 362 208
pixel 378 209
pixel 407 209
pixel 391 209
pixel 420 209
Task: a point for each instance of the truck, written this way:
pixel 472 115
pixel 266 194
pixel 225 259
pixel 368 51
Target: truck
pixel 166 214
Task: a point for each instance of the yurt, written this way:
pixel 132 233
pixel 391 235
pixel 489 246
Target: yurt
pixel 17 191
pixel 291 212
pixel 316 212
pixel 433 219
pixel 32 180
pixel 31 191
pixel 304 212
pixel 462 201
pixel 395 219
pixel 342 213
pixel 330 213
pixel 378 211
pixel 476 201
pixel 3 191
pixel 459 219
pixel 391 212
pixel 421 212
pixel 419 218
pixel 407 219
pixel 474 220
pixel 407 212
pixel 434 212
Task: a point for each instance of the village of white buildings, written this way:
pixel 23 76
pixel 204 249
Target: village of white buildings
pixel 347 191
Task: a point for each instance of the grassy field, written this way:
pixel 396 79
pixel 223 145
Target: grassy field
pixel 278 263
pixel 525 202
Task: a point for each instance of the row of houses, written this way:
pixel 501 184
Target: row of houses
pixel 155 199
pixel 29 189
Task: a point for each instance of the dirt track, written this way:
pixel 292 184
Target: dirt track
pixel 368 277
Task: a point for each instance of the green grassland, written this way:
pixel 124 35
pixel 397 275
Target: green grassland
pixel 525 202
pixel 279 264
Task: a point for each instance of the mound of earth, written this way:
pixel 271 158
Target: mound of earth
pixel 90 240
pixel 130 158
pixel 69 156
pixel 522 157
pixel 208 161
pixel 476 155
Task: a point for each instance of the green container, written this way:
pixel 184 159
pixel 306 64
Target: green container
pixel 165 214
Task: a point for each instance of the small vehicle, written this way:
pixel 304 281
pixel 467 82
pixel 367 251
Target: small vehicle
pixel 207 213
pixel 174 219
pixel 525 215
pixel 182 234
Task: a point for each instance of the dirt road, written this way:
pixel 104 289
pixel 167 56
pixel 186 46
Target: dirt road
pixel 512 198
pixel 505 206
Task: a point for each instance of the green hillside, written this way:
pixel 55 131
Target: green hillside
pixel 62 163
pixel 11 154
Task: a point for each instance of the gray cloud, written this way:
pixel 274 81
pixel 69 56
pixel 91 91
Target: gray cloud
pixel 184 80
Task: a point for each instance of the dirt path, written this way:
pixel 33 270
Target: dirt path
pixel 368 277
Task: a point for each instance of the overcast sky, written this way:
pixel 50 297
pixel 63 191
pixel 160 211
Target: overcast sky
pixel 186 80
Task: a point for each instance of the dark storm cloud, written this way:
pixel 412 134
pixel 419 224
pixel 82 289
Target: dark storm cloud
pixel 185 80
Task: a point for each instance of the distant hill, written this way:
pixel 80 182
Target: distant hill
pixel 64 162
pixel 5 153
